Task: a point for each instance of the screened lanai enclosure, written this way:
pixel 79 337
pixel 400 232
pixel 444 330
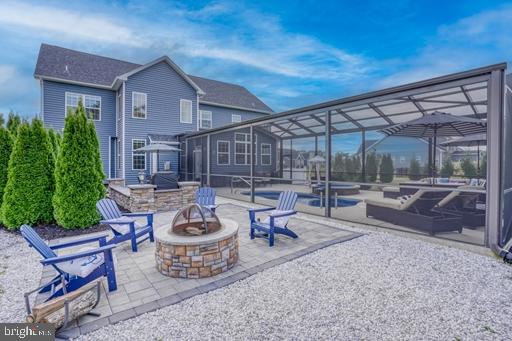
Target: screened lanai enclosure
pixel 339 160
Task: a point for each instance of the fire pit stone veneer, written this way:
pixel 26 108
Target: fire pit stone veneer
pixel 188 256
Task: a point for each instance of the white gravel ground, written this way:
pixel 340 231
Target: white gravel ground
pixel 20 271
pixel 377 287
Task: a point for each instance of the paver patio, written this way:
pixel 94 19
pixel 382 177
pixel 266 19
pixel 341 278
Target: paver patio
pixel 141 288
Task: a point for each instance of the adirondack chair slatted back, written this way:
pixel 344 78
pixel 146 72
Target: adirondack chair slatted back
pixel 286 201
pixel 37 242
pixel 108 209
pixel 205 196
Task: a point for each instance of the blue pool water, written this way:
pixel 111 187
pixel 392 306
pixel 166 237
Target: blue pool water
pixel 305 198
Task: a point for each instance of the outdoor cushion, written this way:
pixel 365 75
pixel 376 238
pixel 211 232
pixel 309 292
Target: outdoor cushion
pixel 385 202
pixel 281 221
pixel 83 266
pixel 391 189
pixel 125 228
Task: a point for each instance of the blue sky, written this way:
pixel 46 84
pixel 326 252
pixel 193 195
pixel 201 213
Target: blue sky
pixel 289 53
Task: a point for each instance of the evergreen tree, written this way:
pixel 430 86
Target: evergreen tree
pixel 5 154
pixel 28 192
pixel 13 122
pixel 78 174
pixel 414 171
pixel 2 119
pixel 338 167
pixel 447 169
pixel 386 169
pixel 349 168
pixel 468 168
pixel 483 166
pixel 371 167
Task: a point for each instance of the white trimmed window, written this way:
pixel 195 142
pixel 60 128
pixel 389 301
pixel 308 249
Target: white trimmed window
pixel 205 119
pixel 92 104
pixel 242 149
pixel 139 105
pixel 266 154
pixel 236 118
pixel 222 152
pixel 185 111
pixel 138 158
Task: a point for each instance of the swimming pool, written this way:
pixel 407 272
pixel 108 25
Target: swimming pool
pixel 305 198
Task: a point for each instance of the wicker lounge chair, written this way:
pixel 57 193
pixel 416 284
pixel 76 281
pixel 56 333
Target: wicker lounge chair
pixel 415 212
pixel 463 204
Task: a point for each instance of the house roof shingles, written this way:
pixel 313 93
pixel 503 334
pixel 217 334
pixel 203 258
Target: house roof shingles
pixel 60 63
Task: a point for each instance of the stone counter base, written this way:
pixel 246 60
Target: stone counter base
pixel 196 261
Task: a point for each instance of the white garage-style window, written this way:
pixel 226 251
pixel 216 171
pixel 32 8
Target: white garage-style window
pixel 138 158
pixel 139 105
pixel 185 111
pixel 266 154
pixel 222 152
pixel 205 119
pixel 92 104
pixel 236 118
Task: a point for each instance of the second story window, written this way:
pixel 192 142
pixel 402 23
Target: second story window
pixel 92 104
pixel 139 105
pixel 205 119
pixel 236 118
pixel 185 111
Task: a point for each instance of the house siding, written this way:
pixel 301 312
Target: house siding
pixel 164 89
pixel 53 106
pixel 221 116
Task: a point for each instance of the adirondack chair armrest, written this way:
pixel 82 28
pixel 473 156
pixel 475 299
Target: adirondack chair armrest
pixel 138 214
pixel 283 214
pixel 117 222
pixel 79 242
pixel 256 210
pixel 65 258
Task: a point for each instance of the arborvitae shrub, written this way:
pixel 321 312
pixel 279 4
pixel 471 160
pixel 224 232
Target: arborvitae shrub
pixel 371 167
pixel 386 169
pixel 78 173
pixel 468 168
pixel 5 153
pixel 414 169
pixel 447 169
pixel 28 192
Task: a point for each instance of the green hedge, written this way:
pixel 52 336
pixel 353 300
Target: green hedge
pixel 28 192
pixel 5 153
pixel 78 173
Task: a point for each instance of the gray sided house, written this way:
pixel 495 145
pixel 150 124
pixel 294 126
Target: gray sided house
pixel 133 105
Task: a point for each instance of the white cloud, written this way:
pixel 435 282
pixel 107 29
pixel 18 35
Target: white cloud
pixel 251 39
pixel 7 73
pixel 68 23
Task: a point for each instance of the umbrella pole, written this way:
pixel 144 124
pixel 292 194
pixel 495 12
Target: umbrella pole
pixel 434 170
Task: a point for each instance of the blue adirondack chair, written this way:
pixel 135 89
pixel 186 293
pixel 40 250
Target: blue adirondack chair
pixel 77 269
pixel 123 225
pixel 277 221
pixel 205 196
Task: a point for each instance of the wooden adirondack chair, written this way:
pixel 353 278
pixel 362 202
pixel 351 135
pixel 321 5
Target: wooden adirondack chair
pixel 277 221
pixel 77 269
pixel 205 196
pixel 123 225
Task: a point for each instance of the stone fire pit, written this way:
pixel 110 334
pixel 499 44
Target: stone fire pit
pixel 197 245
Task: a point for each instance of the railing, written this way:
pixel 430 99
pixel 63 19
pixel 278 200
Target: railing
pixel 240 178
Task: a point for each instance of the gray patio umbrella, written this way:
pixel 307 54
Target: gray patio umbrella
pixel 158 148
pixel 437 124
pixel 469 141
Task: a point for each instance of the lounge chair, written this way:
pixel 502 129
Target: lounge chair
pixel 205 196
pixel 415 212
pixel 277 221
pixel 463 204
pixel 123 225
pixel 77 269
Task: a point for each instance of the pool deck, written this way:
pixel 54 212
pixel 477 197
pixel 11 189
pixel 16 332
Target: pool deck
pixel 141 288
